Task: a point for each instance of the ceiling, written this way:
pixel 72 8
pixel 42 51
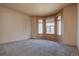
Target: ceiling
pixel 36 9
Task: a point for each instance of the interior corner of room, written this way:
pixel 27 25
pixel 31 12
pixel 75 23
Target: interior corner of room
pixel 16 25
pixel 64 31
pixel 23 22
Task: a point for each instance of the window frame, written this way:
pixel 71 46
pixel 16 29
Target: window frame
pixel 38 26
pixel 54 26
pixel 57 25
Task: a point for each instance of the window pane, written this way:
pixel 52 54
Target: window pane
pixel 50 25
pixel 40 26
pixel 59 25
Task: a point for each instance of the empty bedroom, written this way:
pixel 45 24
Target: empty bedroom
pixel 39 29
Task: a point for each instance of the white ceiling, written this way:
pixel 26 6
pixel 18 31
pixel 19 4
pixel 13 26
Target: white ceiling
pixel 36 9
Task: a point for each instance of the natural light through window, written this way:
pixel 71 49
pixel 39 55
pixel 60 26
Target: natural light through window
pixel 40 26
pixel 50 25
pixel 59 25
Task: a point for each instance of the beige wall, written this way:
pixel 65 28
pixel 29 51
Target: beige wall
pixel 14 25
pixel 34 27
pixel 78 26
pixel 70 24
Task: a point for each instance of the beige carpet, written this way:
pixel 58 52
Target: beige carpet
pixel 33 47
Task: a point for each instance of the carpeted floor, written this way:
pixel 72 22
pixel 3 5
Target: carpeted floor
pixel 35 47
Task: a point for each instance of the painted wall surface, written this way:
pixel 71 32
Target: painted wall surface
pixel 34 27
pixel 78 26
pixel 70 24
pixel 14 26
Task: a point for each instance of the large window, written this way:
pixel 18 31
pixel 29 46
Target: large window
pixel 59 25
pixel 50 26
pixel 40 26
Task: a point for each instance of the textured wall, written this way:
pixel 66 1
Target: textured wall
pixel 14 25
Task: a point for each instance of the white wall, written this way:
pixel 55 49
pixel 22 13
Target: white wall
pixel 14 25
